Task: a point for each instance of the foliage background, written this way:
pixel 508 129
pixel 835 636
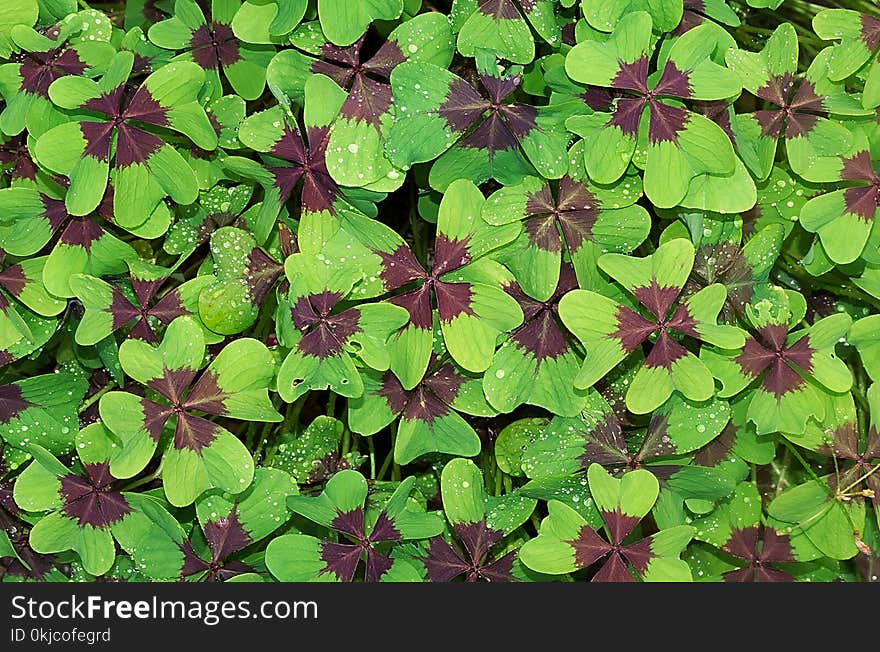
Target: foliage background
pixel 505 290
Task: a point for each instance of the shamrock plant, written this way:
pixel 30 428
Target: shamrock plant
pixel 611 331
pixel 320 331
pixel 681 145
pixel 464 283
pixel 529 365
pixel 844 219
pixel 107 308
pixel 585 218
pixel 479 525
pixel 743 269
pixel 409 290
pixel 324 207
pixel 789 371
pixel 504 26
pixel 201 454
pixel 568 543
pixel 444 116
pixel 212 46
pixel 428 413
pixel 45 58
pixel 85 511
pixel 357 135
pixel 797 110
pixel 366 532
pixel 33 218
pixel 228 524
pixel 145 167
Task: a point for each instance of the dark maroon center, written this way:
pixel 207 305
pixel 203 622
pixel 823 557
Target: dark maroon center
pixel 40 69
pixel 90 500
pixel 214 45
pixel 14 153
pixel 799 107
pixel 777 359
pixel 326 333
pixel 667 121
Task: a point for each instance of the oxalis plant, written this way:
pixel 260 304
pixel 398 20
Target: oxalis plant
pixel 460 290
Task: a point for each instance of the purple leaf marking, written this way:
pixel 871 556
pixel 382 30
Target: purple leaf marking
pixel 326 334
pixel 775 356
pixel 90 500
pixel 12 403
pixel 214 45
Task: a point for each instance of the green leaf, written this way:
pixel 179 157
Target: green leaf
pixel 464 497
pixel 42 410
pixel 343 22
pixel 504 31
pixel 512 444
pixel 304 456
pixel 57 533
pixel 829 524
pixel 634 494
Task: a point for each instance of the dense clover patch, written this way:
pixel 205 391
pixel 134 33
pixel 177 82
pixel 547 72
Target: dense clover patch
pixel 450 291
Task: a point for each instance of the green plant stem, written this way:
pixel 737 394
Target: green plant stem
pixel 251 432
pixel 800 458
pixel 861 478
pixel 782 469
pixel 291 420
pixel 145 480
pixel 843 290
pixel 390 456
pixel 863 409
pixel 535 521
pixel 383 469
pixel 291 416
pixel 266 322
pixel 264 438
pixel 346 440
pixel 331 404
pixel 372 448
pixel 419 248
pixel 96 396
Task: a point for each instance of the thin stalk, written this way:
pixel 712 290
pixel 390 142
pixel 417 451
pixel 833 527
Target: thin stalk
pixel 535 521
pixel 331 404
pixel 96 396
pixel 781 482
pixel 346 440
pixel 386 463
pixel 264 438
pixel 145 480
pixel 291 420
pixel 800 458
pixel 251 432
pixel 855 482
pixel 390 456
